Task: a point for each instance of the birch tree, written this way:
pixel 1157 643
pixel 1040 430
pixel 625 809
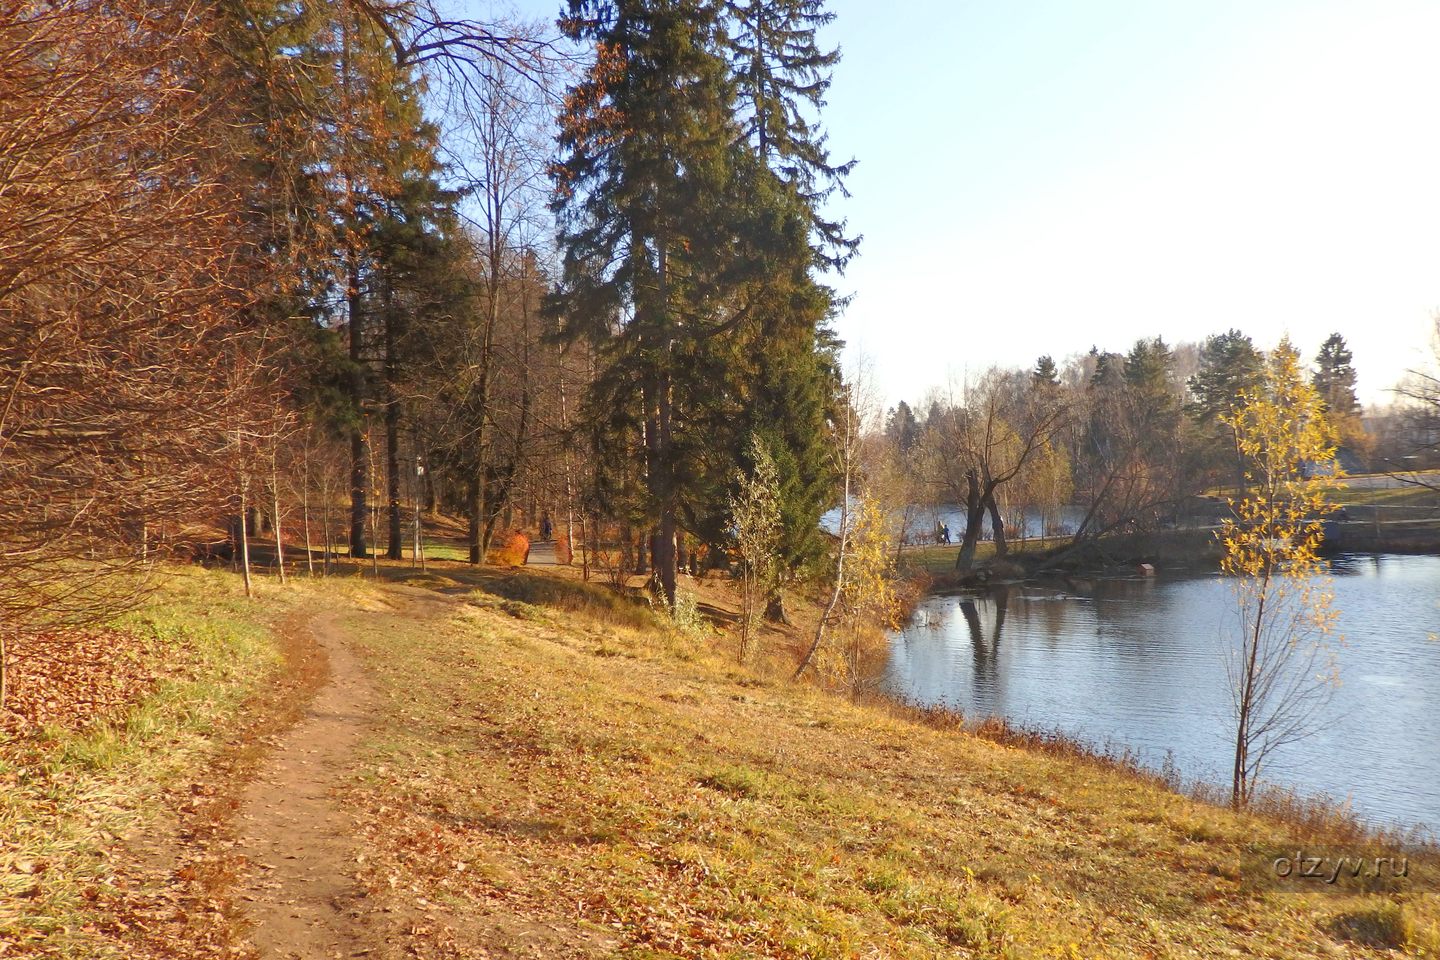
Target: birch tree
pixel 1281 668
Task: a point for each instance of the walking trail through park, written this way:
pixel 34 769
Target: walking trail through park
pixel 300 844
pixel 300 898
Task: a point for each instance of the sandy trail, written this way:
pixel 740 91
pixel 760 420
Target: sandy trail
pixel 300 892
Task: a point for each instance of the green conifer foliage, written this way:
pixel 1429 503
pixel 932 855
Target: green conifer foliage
pixel 1335 378
pixel 667 224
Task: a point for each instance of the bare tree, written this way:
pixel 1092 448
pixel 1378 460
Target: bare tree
pixel 1006 426
pixel 1418 413
pixel 124 277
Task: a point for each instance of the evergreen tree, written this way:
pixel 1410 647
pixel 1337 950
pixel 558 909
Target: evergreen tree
pixel 409 237
pixel 1109 370
pixel 1230 366
pixel 902 428
pixel 384 178
pixel 1045 371
pixel 667 225
pixel 787 380
pixel 1149 369
pixel 782 75
pixel 1334 378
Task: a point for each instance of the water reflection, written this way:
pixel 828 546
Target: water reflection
pixel 1140 663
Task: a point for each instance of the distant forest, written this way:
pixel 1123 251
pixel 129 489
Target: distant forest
pixel 1130 440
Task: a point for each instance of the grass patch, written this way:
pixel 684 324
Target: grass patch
pixel 642 805
pixel 736 781
pixel 68 795
pixel 590 600
pixel 1381 925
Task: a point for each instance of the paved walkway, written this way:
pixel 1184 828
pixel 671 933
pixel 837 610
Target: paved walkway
pixel 542 554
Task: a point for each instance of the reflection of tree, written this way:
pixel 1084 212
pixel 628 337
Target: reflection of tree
pixel 986 654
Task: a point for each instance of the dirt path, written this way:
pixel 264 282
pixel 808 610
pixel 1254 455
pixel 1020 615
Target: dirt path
pixel 299 892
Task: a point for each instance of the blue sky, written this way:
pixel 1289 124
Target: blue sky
pixel 1040 176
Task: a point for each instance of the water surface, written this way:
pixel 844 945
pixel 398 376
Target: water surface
pixel 1140 664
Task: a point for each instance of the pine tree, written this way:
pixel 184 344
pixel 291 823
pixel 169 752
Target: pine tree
pixel 667 224
pixel 1230 366
pixel 1045 371
pixel 1335 378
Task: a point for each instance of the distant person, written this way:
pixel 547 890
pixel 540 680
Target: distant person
pixel 545 527
pixel 945 533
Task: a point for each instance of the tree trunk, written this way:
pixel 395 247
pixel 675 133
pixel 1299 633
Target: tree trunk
pixel 325 520
pixel 476 498
pixel 659 439
pixel 245 544
pixel 305 518
pixel 359 454
pixel 775 608
pixel 275 507
pixel 974 516
pixel 392 477
pixel 996 523
pixel 569 483
pixel 840 552
pixel 395 549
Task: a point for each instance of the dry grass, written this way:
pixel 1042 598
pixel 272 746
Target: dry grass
pixel 84 805
pixel 595 789
pixel 555 771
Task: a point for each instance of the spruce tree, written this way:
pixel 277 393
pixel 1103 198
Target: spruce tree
pixel 667 223
pixel 782 74
pixel 1335 378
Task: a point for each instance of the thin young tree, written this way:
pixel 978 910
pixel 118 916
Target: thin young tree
pixel 846 437
pixel 755 517
pixel 1281 668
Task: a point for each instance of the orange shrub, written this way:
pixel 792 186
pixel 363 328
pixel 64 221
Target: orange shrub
pixel 512 550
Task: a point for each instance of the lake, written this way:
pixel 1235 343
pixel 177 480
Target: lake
pixel 1141 664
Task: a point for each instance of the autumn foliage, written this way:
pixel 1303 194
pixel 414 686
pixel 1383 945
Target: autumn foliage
pixel 125 279
pixel 1281 671
pixel 512 551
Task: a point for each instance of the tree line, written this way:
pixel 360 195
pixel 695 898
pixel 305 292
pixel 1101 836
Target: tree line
pixel 1125 442
pixel 302 270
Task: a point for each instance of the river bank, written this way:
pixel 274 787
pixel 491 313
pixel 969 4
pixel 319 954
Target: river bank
pixel 540 767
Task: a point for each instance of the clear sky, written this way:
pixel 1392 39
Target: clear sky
pixel 1037 176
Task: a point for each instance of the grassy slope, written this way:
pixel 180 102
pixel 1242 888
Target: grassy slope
pixel 551 781
pixel 591 789
pixel 79 807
